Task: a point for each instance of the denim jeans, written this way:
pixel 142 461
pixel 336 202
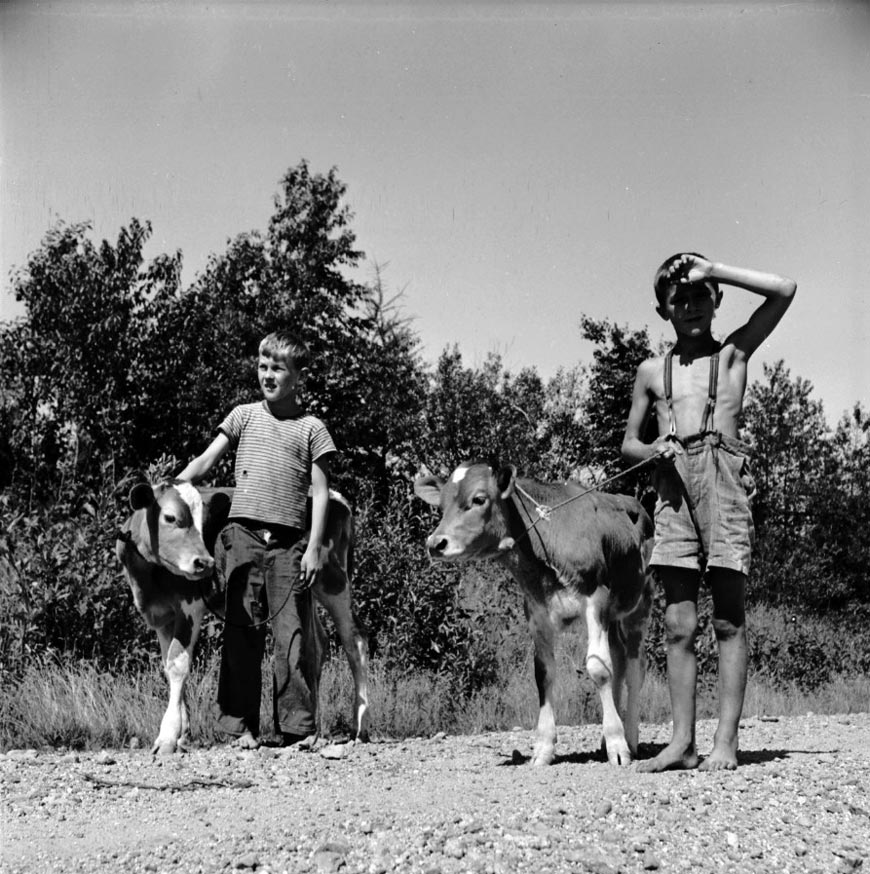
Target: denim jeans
pixel 259 569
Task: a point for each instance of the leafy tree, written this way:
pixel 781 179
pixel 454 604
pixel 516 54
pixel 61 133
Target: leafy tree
pixel 290 277
pixel 60 589
pixel 365 379
pixel 480 415
pixel 806 504
pixel 840 515
pixel 492 415
pixel 113 365
pixel 560 429
pixel 607 401
pixel 380 388
pixel 415 614
pixel 851 447
pixel 789 433
pixel 71 368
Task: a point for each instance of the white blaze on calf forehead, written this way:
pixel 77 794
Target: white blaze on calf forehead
pixel 459 474
pixel 193 499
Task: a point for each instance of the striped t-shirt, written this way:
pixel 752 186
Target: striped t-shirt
pixel 273 462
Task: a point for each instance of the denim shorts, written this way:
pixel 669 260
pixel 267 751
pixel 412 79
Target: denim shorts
pixel 714 470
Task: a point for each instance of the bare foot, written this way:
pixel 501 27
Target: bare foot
pixel 723 758
pixel 309 742
pixel 246 741
pixel 675 756
pixel 299 741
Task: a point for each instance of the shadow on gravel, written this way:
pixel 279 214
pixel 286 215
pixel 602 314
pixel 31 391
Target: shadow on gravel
pixel 649 751
pixel 587 758
pixel 747 757
pixel 516 759
pixel 761 757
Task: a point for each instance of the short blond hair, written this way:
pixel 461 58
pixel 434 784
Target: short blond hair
pixel 283 344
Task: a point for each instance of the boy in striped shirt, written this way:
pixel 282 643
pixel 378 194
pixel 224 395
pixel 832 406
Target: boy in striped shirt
pixel 265 558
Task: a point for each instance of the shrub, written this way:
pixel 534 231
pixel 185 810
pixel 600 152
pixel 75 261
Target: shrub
pixel 805 650
pixel 63 590
pixel 416 615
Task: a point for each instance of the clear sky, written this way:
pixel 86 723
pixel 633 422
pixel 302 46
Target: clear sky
pixel 511 165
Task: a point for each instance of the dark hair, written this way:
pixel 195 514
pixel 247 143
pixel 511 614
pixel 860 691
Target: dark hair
pixel 282 344
pixel 662 282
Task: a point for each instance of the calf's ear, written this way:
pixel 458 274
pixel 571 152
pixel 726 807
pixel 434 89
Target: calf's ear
pixel 506 480
pixel 141 495
pixel 428 488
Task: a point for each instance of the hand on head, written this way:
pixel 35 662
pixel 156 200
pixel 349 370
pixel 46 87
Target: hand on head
pixel 689 268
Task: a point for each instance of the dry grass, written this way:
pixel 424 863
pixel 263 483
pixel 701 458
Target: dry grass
pixel 74 705
pixel 841 695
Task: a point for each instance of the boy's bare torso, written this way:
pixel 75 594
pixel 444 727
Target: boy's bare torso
pixel 690 378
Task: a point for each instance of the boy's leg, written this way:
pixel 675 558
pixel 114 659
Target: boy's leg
pixel 729 623
pixel 294 675
pixel 681 625
pixel 238 555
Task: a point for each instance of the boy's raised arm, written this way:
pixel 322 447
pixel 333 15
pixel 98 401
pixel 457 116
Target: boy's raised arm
pixel 778 293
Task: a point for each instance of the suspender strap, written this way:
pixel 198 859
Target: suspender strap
pixel 707 421
pixel 669 392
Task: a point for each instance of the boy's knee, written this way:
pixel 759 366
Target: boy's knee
pixel 681 627
pixel 728 629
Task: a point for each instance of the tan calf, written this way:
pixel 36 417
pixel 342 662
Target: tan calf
pixel 166 548
pixel 584 560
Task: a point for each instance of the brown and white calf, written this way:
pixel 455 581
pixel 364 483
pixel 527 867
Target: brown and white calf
pixel 166 549
pixel 586 559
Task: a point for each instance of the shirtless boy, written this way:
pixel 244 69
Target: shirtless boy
pixel 703 518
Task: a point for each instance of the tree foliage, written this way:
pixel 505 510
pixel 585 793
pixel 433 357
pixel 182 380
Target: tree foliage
pixel 73 389
pixel 116 368
pixel 618 353
pixel 812 495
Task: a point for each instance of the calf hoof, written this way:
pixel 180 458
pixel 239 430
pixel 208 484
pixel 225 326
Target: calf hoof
pixel 543 755
pixel 164 747
pixel 618 752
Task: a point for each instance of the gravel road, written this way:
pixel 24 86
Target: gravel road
pixel 799 802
